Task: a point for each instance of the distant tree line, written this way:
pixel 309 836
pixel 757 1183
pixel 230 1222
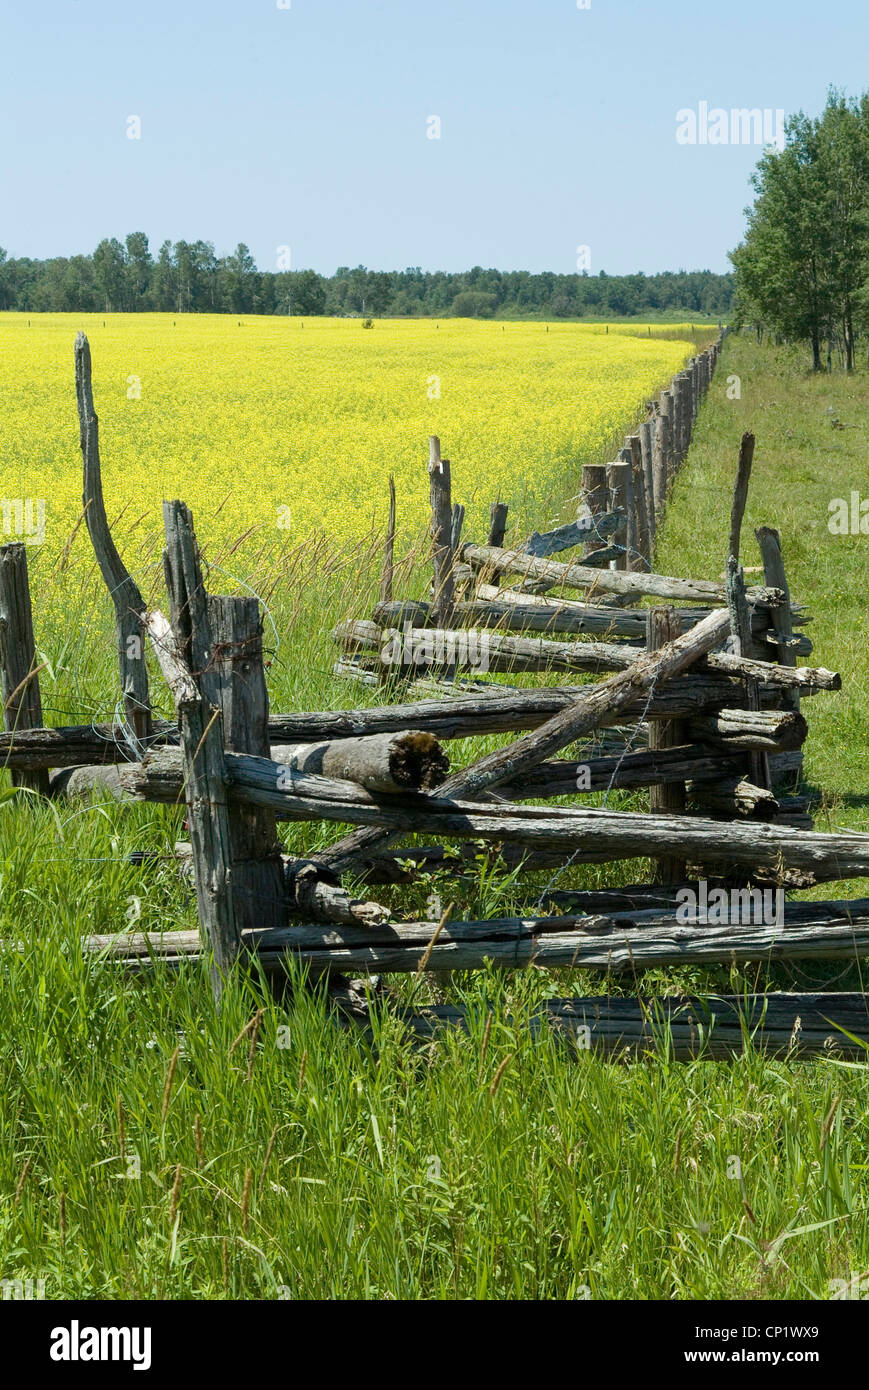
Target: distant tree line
pixel 802 271
pixel 189 277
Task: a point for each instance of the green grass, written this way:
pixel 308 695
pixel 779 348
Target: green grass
pixel 476 1167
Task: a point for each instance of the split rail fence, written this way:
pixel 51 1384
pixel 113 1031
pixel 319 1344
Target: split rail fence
pixel 699 701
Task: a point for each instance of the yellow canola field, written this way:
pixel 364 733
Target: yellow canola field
pixel 292 426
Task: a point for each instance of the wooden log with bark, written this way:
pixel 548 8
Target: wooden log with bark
pixel 483 557
pixel 392 762
pixel 489 650
pixel 767 730
pixel 591 835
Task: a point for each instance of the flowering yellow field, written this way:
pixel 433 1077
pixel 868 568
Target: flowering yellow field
pixel 290 426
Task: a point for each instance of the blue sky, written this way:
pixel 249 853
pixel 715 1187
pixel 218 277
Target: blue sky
pixel 307 126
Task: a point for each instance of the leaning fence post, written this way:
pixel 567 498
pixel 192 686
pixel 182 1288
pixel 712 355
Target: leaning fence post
pixel 128 602
pixel 19 679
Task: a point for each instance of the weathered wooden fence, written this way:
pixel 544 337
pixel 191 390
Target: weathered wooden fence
pixel 699 702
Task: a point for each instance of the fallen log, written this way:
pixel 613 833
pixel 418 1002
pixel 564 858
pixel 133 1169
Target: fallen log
pixel 421 648
pixel 307 894
pixel 85 781
pixel 71 746
pixel 788 677
pixel 522 612
pixel 391 762
pixel 644 768
pixel 310 897
pixel 491 709
pixel 614 942
pixel 589 835
pixel 487 557
pixel 797 1026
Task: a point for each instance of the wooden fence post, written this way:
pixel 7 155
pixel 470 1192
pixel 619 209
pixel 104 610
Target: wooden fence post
pixel 774 577
pixel 443 593
pixel 683 417
pixel 19 679
pixel 456 524
pixel 184 650
pixel 594 498
pixel 663 625
pixel 678 398
pixel 740 618
pixel 128 602
pixel 641 559
pixel 663 455
pixel 620 486
pixel 647 446
pixel 497 524
pixel 237 675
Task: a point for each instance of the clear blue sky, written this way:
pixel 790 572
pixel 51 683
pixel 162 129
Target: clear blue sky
pixel 307 126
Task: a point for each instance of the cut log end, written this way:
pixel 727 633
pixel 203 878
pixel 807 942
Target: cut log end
pixel 417 760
